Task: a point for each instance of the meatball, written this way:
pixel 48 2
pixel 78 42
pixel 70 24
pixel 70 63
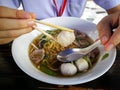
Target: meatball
pixel 68 69
pixel 82 64
pixel 66 38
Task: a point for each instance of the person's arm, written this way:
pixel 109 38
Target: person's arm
pixel 109 5
pixel 109 26
pixel 113 10
pixel 106 26
pixel 14 23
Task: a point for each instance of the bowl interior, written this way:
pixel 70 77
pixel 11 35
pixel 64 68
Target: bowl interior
pixel 21 44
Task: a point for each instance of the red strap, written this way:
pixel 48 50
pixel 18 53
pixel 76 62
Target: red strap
pixel 59 13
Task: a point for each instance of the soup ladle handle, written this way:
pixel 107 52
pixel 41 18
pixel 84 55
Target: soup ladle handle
pixel 76 53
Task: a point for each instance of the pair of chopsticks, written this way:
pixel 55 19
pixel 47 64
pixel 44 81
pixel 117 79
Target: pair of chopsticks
pixel 42 31
pixel 51 25
pixel 54 26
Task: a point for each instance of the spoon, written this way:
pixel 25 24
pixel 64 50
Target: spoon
pixel 76 53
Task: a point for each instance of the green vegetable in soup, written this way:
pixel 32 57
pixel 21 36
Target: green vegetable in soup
pixel 105 56
pixel 88 60
pixel 53 33
pixel 45 69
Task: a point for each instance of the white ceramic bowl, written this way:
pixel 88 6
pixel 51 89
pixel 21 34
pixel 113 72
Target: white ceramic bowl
pixel 20 48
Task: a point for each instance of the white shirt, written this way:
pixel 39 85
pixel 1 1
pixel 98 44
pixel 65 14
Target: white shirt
pixel 46 8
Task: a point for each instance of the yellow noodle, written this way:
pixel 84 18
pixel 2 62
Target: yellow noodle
pixel 51 47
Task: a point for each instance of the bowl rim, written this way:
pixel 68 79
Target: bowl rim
pixel 60 79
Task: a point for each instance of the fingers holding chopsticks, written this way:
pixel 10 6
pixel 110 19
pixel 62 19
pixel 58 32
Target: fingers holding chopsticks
pixel 14 23
pixel 18 22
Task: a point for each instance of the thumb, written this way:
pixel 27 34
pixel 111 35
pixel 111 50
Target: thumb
pixel 33 16
pixel 114 40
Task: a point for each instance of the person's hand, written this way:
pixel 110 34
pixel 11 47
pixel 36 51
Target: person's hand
pixel 109 30
pixel 14 23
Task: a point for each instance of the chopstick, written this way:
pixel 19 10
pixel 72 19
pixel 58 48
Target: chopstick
pixel 42 31
pixel 54 26
pixel 34 46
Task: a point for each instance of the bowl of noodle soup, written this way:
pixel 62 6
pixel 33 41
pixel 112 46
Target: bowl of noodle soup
pixel 23 58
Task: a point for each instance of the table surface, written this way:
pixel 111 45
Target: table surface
pixel 11 76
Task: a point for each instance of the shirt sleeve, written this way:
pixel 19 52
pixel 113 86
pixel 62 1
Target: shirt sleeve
pixel 107 4
pixel 10 3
